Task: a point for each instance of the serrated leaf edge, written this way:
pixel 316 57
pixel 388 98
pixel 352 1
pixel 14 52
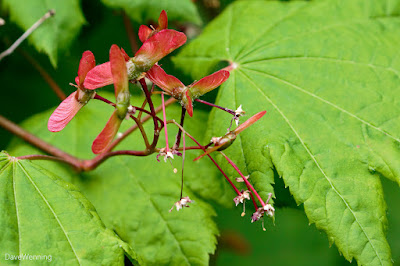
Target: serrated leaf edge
pixel 315 161
pixel 155 208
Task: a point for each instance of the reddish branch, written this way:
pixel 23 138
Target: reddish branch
pixel 76 163
pixel 130 32
pixel 44 146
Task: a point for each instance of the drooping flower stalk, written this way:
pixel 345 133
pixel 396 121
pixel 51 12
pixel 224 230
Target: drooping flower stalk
pixel 209 156
pixel 168 154
pixel 221 143
pixel 248 185
pixel 183 161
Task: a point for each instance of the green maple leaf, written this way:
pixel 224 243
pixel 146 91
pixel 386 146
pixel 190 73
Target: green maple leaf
pixel 327 72
pixel 144 10
pixel 133 195
pixel 57 32
pixel 40 214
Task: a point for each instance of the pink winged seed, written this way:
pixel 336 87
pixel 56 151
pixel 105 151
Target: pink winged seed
pixel 85 65
pixel 209 83
pixel 101 75
pixel 108 133
pixel 98 77
pixel 144 33
pixel 166 82
pixel 160 45
pixel 118 69
pixel 126 56
pixel 64 113
pixel 249 122
pixel 189 104
pixel 162 21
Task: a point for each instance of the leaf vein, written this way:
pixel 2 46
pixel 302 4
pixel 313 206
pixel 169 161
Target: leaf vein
pixel 157 211
pixel 52 211
pixel 327 102
pixel 228 34
pixel 16 209
pixel 274 25
pixel 5 166
pixel 333 26
pixel 320 58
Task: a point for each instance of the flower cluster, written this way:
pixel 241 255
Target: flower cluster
pixel 121 70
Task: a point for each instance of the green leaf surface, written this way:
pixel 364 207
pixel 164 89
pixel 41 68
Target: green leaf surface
pixel 55 34
pixel 327 72
pixel 142 11
pixel 41 214
pixel 133 195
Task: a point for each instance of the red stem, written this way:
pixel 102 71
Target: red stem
pixel 254 201
pixel 131 129
pixel 98 97
pixel 216 106
pixel 165 123
pixel 209 156
pixel 25 135
pixel 249 186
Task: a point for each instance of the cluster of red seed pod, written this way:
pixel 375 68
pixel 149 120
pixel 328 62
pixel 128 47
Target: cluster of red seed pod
pixel 121 69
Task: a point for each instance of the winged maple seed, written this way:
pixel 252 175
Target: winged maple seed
pixel 186 94
pixel 76 100
pixel 157 43
pixel 221 143
pixel 153 50
pixel 145 32
pixel 122 96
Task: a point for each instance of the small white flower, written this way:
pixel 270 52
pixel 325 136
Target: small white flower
pixel 238 113
pixel 183 202
pixel 240 179
pixel 215 140
pixel 166 155
pixel 131 109
pixel 240 198
pixel 269 210
pixel 169 155
pixel 257 215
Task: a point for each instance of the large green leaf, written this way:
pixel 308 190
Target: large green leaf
pixel 56 33
pixel 327 72
pixel 133 195
pixel 42 215
pixel 144 10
